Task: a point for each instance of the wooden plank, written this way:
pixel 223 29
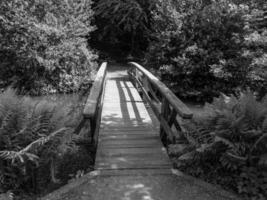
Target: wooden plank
pixel 127 139
pixel 109 137
pixel 132 127
pixel 131 163
pixel 178 105
pixel 130 151
pixel 135 172
pixel 142 166
pixel 141 155
pixel 128 132
pixel 133 159
pixel 128 144
pixel 95 93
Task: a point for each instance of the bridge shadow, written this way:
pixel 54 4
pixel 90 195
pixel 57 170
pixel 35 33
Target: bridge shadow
pixel 123 105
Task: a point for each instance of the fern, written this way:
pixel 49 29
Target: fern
pixel 232 139
pixel 33 136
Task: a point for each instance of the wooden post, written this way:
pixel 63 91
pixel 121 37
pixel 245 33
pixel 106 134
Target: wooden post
pixel 164 114
pixel 92 129
pixel 166 105
pixel 136 77
pixel 80 126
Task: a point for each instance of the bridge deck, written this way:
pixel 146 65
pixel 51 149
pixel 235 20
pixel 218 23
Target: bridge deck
pixel 131 163
pixel 127 137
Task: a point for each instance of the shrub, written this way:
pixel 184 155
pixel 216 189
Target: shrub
pixel 201 52
pixel 228 145
pixel 36 135
pixel 256 45
pixel 43 47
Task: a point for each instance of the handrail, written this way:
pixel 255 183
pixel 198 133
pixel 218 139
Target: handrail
pixel 96 91
pixel 169 109
pixel 177 104
pixel 93 107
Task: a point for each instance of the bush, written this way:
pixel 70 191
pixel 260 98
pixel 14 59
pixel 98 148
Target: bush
pixel 256 45
pixel 43 47
pixel 201 53
pixel 203 49
pixel 36 135
pixel 228 145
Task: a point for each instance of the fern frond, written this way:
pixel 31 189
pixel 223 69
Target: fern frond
pixel 226 142
pixel 41 141
pixel 259 141
pixel 12 155
pixel 264 125
pixel 263 160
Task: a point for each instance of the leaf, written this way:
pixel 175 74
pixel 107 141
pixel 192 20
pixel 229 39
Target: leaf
pixel 204 147
pixel 224 141
pixel 259 140
pixel 263 160
pixel 187 156
pixel 236 157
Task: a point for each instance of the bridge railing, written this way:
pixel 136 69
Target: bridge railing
pixel 169 109
pixel 93 107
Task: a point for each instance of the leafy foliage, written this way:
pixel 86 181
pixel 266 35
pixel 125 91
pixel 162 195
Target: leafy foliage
pixel 231 142
pixel 35 135
pixel 123 24
pixel 207 47
pixel 43 45
pixel 256 43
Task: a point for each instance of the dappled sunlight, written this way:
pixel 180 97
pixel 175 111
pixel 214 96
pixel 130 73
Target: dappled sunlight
pixel 114 166
pixel 137 191
pixel 123 105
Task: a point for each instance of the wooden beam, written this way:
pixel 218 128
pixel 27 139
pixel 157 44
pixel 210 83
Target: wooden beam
pixel 176 103
pixel 95 94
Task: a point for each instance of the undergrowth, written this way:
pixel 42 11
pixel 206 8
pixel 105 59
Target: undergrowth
pixel 228 145
pixel 37 143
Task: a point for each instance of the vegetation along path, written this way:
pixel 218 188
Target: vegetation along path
pixel 131 162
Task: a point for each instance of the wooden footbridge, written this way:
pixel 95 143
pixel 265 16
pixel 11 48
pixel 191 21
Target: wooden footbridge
pixel 125 135
pixel 132 116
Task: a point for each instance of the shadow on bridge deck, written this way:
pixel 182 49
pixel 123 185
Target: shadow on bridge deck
pixel 131 163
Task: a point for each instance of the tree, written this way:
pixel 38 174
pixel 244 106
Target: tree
pixel 43 45
pixel 125 24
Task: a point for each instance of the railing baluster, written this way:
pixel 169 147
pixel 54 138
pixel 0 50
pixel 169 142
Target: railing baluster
pixel 136 77
pixel 167 107
pixel 172 117
pixel 164 116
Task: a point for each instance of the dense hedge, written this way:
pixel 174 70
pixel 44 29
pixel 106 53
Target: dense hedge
pixel 207 48
pixel 43 45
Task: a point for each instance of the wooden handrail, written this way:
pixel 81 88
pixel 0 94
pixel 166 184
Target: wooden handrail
pixel 95 94
pixel 177 104
pixel 93 107
pixel 169 109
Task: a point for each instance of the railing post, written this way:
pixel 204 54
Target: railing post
pixel 164 114
pixel 165 104
pixel 136 77
pixel 92 129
